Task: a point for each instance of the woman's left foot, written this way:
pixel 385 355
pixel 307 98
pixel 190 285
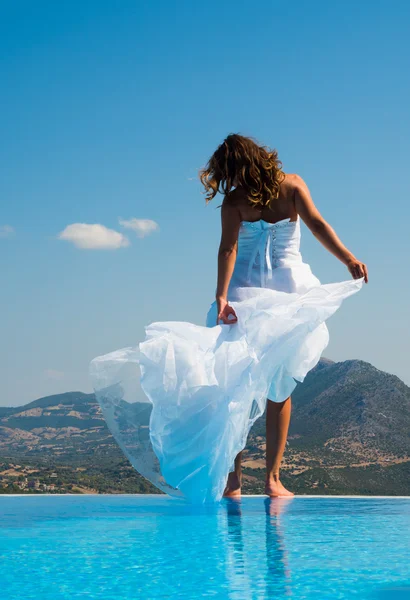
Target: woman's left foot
pixel 275 489
pixel 233 486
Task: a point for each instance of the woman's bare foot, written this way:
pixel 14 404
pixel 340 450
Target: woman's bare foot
pixel 233 486
pixel 275 489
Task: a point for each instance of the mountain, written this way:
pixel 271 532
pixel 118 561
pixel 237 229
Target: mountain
pixel 356 403
pixel 61 444
pixel 72 420
pixel 350 434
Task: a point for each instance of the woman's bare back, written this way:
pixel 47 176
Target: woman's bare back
pixel 282 208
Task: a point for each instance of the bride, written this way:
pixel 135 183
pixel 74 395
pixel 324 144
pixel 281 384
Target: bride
pixel 205 386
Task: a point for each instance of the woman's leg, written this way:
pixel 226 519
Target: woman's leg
pixel 233 485
pixel 277 426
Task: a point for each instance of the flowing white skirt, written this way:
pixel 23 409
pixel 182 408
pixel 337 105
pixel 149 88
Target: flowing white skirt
pixel 204 387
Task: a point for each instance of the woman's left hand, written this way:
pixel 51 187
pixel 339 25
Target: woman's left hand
pixel 226 313
pixel 358 269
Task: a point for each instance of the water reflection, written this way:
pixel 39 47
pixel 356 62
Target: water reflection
pixel 278 576
pixel 245 572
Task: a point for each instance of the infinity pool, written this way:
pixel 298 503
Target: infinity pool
pixel 150 547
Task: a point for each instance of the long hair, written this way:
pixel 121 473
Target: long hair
pixel 240 162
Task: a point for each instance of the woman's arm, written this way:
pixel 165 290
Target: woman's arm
pixel 231 222
pixel 321 229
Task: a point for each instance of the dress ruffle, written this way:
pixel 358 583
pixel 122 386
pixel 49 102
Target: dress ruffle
pixel 206 386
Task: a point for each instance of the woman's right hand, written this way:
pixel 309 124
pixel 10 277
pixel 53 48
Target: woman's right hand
pixel 357 269
pixel 225 313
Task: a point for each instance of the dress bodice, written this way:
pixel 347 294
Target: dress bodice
pixel 268 255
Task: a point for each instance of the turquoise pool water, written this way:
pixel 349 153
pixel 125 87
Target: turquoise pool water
pixel 151 547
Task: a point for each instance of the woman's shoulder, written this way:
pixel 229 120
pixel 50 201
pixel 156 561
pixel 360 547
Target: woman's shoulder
pixel 236 201
pixel 292 181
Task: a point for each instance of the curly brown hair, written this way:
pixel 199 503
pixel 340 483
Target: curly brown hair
pixel 241 162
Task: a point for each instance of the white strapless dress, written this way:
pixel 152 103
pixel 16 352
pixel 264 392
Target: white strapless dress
pixel 204 387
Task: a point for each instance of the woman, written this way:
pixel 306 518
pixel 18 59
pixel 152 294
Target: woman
pixel 205 386
pixel 258 195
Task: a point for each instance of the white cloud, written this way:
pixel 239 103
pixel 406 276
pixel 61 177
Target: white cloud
pixel 6 231
pixel 142 227
pixel 93 237
pixel 53 374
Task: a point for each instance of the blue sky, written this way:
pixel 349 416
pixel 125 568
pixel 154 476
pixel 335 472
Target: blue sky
pixel 108 111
